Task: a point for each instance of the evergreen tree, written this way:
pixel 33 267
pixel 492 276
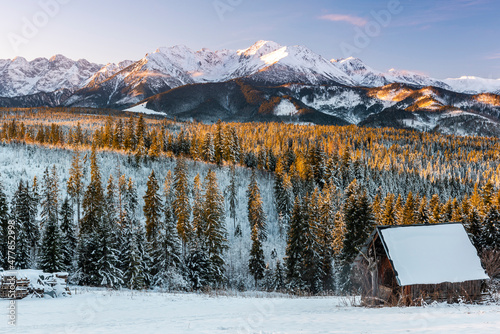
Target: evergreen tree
pixel 140 133
pixel 68 234
pixel 208 148
pixel 218 143
pixel 182 207
pixel 446 212
pixel 118 135
pixel 50 196
pixel 282 194
pixel 325 239
pixel 358 221
pixel 111 213
pixel 435 207
pixel 94 244
pixel 474 229
pixel 232 197
pixel 491 229
pixel 107 266
pixel 408 217
pixel 294 248
pixel 377 209
pixel 312 248
pixel 398 209
pixel 303 261
pixel 256 264
pixel 487 196
pixel 153 208
pixel 52 255
pixel 75 182
pixel 130 140
pixel 256 215
pixel 389 214
pixel 133 257
pixel 215 235
pixel 279 277
pixel 167 253
pixel 422 215
pixel 198 221
pixel 93 200
pixel 26 227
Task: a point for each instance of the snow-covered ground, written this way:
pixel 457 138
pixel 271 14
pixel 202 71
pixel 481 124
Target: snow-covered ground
pixel 141 108
pixel 98 311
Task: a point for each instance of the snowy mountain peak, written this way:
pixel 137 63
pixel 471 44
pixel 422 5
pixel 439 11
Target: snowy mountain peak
pixel 259 49
pixel 59 58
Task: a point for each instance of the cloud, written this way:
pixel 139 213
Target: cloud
pixel 354 20
pixel 493 56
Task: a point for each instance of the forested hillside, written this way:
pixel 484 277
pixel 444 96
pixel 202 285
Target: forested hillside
pixel 139 201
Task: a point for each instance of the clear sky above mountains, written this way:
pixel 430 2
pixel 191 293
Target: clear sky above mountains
pixel 441 38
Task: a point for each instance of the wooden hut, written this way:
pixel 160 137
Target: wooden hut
pixel 410 264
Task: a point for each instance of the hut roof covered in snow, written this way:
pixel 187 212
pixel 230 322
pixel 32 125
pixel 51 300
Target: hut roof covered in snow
pixel 431 254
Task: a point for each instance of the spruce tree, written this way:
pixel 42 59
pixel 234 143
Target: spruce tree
pixel 218 143
pixel 108 269
pixel 93 246
pixel 325 239
pixel 446 212
pixel 68 234
pixel 215 235
pixel 491 229
pixel 130 140
pixel 133 259
pixel 256 215
pixel 208 148
pixel 166 255
pixel 50 196
pixel 93 200
pixel 475 230
pixel 26 227
pixel 182 207
pixel 294 249
pixel 153 208
pixel 312 249
pixel 232 197
pixel 359 221
pixel 256 264
pixel 52 255
pixel 283 195
pixel 75 182
pixel 279 278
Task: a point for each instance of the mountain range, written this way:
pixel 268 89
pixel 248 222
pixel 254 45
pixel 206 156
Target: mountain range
pixel 266 81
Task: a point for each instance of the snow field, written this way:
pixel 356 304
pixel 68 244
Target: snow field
pixel 100 311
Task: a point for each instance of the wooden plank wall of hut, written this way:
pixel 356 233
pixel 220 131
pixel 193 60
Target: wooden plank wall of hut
pixel 451 292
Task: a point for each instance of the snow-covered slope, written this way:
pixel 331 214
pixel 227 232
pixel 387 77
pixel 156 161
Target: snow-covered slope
pixel 474 85
pixel 19 77
pixel 363 75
